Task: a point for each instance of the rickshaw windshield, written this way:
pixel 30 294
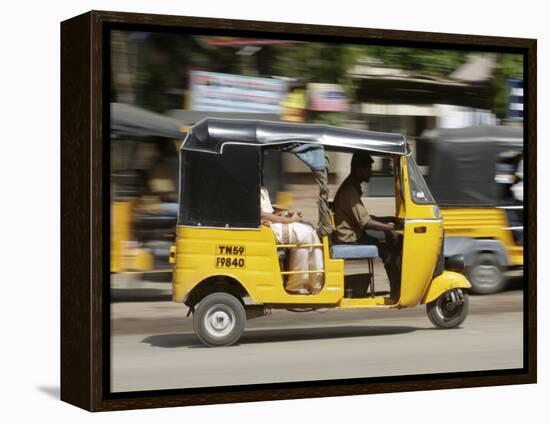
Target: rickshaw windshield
pixel 420 194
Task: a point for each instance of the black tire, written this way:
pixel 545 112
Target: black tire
pixel 486 275
pixel 449 310
pixel 219 319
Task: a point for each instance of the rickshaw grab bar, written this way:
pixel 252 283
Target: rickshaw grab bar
pixel 298 272
pixel 298 245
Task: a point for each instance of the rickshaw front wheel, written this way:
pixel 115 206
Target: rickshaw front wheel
pixel 449 310
pixel 219 319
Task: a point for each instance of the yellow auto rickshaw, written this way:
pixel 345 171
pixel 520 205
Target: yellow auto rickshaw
pixel 228 266
pixel 472 173
pixel 143 174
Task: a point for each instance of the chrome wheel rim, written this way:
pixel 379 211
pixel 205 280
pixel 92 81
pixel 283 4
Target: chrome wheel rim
pixel 219 321
pixel 448 308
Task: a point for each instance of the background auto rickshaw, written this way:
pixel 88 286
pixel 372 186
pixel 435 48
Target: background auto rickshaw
pixel 227 264
pixel 472 173
pixel 144 168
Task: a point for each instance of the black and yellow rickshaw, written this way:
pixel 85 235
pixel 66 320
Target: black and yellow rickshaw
pixel 227 265
pixel 471 173
pixel 144 163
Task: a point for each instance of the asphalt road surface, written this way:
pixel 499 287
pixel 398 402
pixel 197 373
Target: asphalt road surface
pixel 153 345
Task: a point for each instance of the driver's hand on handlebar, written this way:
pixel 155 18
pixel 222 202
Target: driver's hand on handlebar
pixel 398 224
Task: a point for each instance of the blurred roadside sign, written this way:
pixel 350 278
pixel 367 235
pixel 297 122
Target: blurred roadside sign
pixel 221 92
pixel 515 99
pixel 327 98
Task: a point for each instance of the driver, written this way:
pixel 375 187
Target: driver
pixel 354 225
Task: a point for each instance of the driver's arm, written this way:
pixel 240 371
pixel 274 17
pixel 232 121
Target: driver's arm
pixel 389 219
pixel 366 221
pixel 379 226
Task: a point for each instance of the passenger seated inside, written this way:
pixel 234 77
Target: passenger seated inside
pixel 354 225
pixel 515 215
pixel 289 228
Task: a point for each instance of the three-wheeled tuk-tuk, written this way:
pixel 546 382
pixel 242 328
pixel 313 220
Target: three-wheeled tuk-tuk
pixel 143 165
pixel 228 266
pixel 472 173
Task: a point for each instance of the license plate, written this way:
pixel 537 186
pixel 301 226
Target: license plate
pixel 230 256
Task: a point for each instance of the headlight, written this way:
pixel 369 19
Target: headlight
pixel 437 212
pixel 455 263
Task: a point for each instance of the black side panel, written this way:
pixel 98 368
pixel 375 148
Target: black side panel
pixel 221 190
pixel 463 174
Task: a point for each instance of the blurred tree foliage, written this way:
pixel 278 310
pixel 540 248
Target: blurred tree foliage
pixel 319 62
pixel 330 63
pixel 420 61
pixel 158 66
pixel 509 66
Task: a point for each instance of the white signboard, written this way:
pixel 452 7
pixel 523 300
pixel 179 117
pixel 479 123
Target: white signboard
pixel 220 92
pixel 327 98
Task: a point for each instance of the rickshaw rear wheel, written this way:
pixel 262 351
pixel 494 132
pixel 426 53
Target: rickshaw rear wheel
pixel 486 275
pixel 449 310
pixel 219 319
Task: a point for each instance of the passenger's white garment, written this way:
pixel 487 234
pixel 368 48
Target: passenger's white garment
pixel 517 188
pixel 300 259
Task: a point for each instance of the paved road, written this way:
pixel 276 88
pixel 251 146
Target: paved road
pixel 153 345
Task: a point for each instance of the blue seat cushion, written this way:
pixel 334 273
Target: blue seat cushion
pixel 349 251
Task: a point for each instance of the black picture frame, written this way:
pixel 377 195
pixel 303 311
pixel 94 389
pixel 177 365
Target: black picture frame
pixel 85 212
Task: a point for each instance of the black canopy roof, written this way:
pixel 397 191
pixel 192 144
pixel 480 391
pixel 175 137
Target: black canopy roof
pixel 502 136
pixel 129 120
pixel 211 135
pixel 463 163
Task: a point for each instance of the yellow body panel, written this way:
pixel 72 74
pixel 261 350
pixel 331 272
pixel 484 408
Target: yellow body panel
pixel 423 235
pixel 370 302
pixel 142 260
pixel 444 282
pixel 516 255
pixel 202 253
pixel 420 253
pixel 488 223
pixel 121 215
pixel 399 201
pixel 126 258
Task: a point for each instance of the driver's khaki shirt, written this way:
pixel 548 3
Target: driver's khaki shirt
pixel 350 215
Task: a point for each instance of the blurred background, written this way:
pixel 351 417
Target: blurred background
pixel 462 113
